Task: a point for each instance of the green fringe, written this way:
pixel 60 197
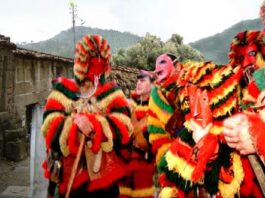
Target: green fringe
pixel 125 110
pixel 47 112
pixel 153 129
pixel 186 136
pixel 160 103
pixel 69 94
pixel 117 141
pixel 211 177
pixel 108 92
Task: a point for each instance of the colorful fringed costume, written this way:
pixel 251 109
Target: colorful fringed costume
pixel 108 112
pixel 253 96
pixel 208 167
pixel 139 181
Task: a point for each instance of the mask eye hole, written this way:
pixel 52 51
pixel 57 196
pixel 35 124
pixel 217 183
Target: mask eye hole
pixel 252 53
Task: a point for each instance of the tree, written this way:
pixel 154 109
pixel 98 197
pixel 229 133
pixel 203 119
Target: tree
pixel 144 53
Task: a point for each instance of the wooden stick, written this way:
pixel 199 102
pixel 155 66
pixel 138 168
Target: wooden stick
pixel 257 167
pixel 75 166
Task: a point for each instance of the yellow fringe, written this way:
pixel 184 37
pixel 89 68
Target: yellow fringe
pixel 168 192
pixel 64 136
pixel 125 191
pixel 161 152
pixel 229 190
pixel 102 104
pixel 60 97
pixel 145 192
pixel 163 116
pixel 156 136
pixel 106 146
pixel 78 68
pixel 155 122
pixel 47 122
pixel 224 110
pixel 179 165
pixel 222 95
pixel 216 129
pixel 141 108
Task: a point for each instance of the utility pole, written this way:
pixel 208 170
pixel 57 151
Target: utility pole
pixel 73 12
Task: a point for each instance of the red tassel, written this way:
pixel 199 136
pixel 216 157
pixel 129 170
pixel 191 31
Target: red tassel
pixel 72 140
pixel 69 84
pixel 122 130
pixel 117 102
pixel 158 143
pixel 253 89
pixel 52 130
pixel 98 133
pixel 256 129
pixel 107 86
pixel 207 148
pixel 53 105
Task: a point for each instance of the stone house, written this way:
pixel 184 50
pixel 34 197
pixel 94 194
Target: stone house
pixel 25 80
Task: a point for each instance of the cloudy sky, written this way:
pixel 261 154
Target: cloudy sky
pixel 37 20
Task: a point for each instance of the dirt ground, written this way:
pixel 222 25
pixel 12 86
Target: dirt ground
pixel 14 174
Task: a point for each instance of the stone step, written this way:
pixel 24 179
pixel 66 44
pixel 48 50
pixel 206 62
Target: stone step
pixel 16 192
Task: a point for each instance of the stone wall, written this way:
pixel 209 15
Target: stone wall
pixel 25 80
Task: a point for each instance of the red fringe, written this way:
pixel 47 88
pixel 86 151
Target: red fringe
pixel 257 126
pixel 158 143
pixel 207 149
pixel 52 130
pixel 69 84
pixel 53 105
pixel 162 179
pixel 181 149
pixel 98 132
pixel 170 80
pixel 122 129
pixel 112 171
pixel 152 114
pixel 72 140
pixel 253 89
pixel 103 88
pixel 140 114
pixel 80 178
pixel 249 187
pixel 134 95
pixel 117 102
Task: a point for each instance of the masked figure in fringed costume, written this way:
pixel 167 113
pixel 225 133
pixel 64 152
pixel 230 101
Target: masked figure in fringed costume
pixel 139 182
pixel 86 124
pixel 245 131
pixel 195 159
pixel 251 58
pixel 162 104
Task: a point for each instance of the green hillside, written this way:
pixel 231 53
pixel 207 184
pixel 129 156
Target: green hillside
pixel 63 44
pixel 216 47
